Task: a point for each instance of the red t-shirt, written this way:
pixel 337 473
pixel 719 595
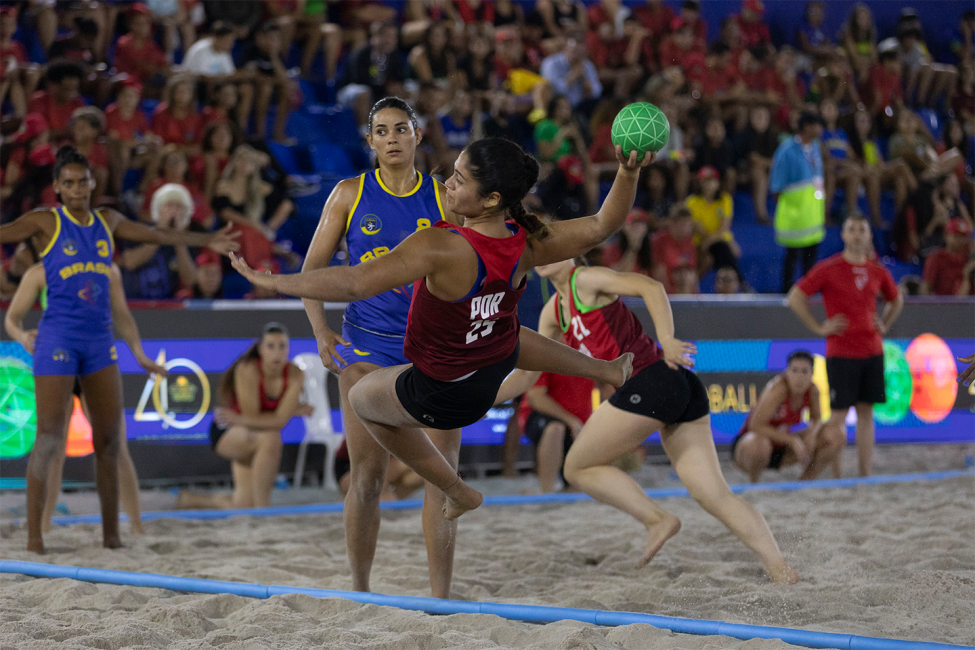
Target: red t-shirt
pixel 943 272
pixel 574 394
pixel 604 54
pixel 130 58
pixel 214 115
pixel 851 290
pixel 612 254
pixel 58 116
pixel 657 21
pixel 602 144
pixel 883 84
pixel 719 80
pixel 753 34
pixel 483 14
pixel 670 55
pixel 201 207
pixel 198 166
pixel 173 130
pixel 14 51
pixel 126 129
pixel 98 156
pixel 673 254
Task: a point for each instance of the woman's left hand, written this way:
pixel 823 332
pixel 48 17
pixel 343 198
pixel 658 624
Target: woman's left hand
pixel 631 163
pixel 264 280
pixel 225 417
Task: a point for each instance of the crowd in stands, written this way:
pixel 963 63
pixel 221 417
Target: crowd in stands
pixel 174 102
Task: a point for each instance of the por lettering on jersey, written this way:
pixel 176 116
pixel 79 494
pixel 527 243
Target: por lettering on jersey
pixel 483 307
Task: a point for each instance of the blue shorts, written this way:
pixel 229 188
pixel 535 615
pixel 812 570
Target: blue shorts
pixel 56 354
pixel 383 351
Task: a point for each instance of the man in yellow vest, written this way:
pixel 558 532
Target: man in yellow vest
pixel 796 177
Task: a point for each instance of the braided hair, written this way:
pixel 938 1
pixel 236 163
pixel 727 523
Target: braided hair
pixel 501 166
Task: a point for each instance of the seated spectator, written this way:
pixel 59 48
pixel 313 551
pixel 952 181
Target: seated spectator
pixel 879 174
pixel 753 30
pixel 264 58
pixel 152 271
pixel 657 196
pixel 551 415
pixel 834 80
pixel 682 50
pixel 656 17
pixel 208 284
pixel 138 56
pixel 372 72
pixel 617 55
pixel 721 86
pixel 559 17
pixel 964 101
pixel 176 20
pixel 913 143
pixel 811 40
pixel 87 126
pixel 953 136
pixel 882 89
pixel 690 14
pixel 630 252
pixel 559 141
pixel 60 98
pixel 505 121
pixel 240 198
pixel 572 75
pixel 176 120
pixel 26 179
pixel 674 253
pixel 602 151
pixel 517 67
pixel 220 140
pixel 676 156
pixel 476 67
pixel 131 142
pixel 174 166
pixel 304 22
pixel 210 60
pixel 80 44
pixel 924 80
pixel 754 147
pixel 558 135
pixel 712 211
pixel 858 36
pixel 19 77
pixel 715 151
pixel 434 59
pixel 839 165
pixel 930 213
pixel 244 16
pixel 946 268
pixel 507 13
pixel 456 125
pixel 726 281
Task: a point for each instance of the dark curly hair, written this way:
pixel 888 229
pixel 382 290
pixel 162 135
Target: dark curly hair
pixel 68 155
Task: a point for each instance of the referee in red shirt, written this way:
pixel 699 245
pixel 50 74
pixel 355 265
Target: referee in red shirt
pixel 849 282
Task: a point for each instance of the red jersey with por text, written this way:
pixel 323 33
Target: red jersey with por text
pixel 449 340
pixel 605 332
pixel 851 290
pixel 785 415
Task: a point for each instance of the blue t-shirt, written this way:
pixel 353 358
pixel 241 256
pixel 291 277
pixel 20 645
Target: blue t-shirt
pixel 837 144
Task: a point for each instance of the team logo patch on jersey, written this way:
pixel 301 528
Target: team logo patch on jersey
pixel 371 224
pixel 90 293
pixel 60 354
pixel 69 247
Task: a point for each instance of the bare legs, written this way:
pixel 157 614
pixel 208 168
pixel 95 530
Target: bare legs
pixel 550 454
pixel 753 452
pixel 864 435
pixel 255 457
pixel 690 447
pixel 55 391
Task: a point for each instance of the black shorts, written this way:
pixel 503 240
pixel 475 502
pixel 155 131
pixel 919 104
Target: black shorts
pixel 774 461
pixel 852 381
pixel 452 404
pixel 216 432
pixel 535 426
pixel 342 466
pixel 664 394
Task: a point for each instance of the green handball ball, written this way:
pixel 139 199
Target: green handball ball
pixel 898 384
pixel 640 127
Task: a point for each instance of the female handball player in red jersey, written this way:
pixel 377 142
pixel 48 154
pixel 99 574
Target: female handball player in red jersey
pixel 463 332
pixel 662 395
pixel 765 440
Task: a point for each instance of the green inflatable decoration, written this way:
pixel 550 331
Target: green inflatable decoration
pixel 898 384
pixel 18 417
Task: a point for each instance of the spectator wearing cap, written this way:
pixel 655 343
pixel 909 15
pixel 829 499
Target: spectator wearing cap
pixel 674 253
pixel 208 283
pixel 87 126
pixel 946 269
pixel 210 60
pixel 61 99
pixel 796 178
pixel 631 250
pixel 152 271
pixel 176 120
pixel 712 211
pixel 131 142
pixel 136 53
pixel 754 31
pixel 18 77
pixel 264 58
pixel 572 75
pixel 373 71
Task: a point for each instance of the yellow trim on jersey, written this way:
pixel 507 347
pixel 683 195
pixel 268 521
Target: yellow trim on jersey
pixel 358 197
pixel 111 237
pixel 75 221
pixel 57 232
pixel 436 192
pixel 419 182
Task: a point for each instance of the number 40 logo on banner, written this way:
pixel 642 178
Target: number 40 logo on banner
pixel 180 400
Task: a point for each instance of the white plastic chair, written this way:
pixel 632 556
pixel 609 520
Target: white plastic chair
pixel 318 426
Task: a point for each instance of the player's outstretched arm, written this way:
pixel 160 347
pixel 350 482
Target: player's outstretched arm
pixel 568 239
pixel 221 241
pixel 27 226
pixel 416 257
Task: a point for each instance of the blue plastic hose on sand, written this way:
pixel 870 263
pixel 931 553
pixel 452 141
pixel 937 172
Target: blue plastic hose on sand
pixel 531 613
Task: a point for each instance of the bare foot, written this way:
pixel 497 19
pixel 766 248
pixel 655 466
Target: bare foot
pixel 783 574
pixel 460 498
pixel 657 536
pixel 35 545
pixel 620 369
pixel 112 541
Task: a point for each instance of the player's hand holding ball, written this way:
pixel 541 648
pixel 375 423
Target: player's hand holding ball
pixel 639 131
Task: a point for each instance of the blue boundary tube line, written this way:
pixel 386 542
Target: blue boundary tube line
pixel 519 500
pixel 530 613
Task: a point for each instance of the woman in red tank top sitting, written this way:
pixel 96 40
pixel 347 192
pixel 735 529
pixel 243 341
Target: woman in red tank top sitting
pixel 463 334
pixel 662 395
pixel 765 440
pixel 258 395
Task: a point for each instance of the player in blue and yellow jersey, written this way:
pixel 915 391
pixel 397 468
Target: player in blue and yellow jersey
pixel 372 214
pixel 74 337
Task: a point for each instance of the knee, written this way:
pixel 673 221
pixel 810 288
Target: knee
pixel 834 438
pixel 366 483
pixel 554 430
